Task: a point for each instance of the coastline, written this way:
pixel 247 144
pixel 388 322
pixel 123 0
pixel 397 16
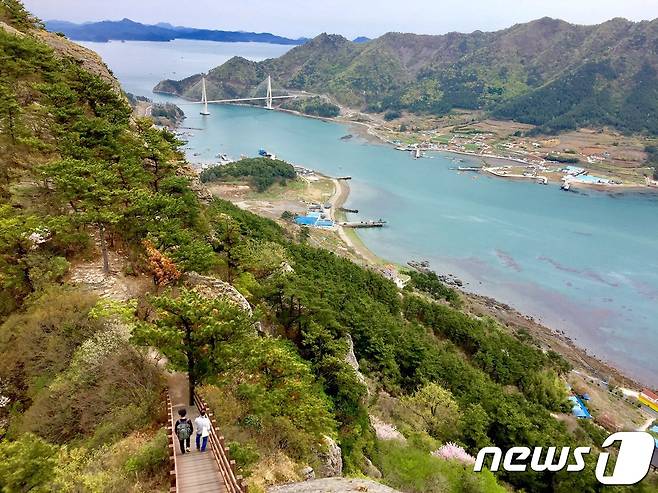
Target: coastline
pixel 368 131
pixel 478 305
pixel 506 315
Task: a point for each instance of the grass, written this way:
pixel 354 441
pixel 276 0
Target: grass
pixel 414 470
pixel 443 139
pixel 279 191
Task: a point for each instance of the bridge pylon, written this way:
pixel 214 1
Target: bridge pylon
pixel 269 93
pixel 204 97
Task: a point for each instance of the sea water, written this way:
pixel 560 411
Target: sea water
pixel 585 262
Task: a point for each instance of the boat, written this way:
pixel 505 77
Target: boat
pixel 224 159
pixel 264 153
pixel 566 185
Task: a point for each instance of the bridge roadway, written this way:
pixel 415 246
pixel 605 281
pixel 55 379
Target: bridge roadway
pixel 238 100
pixel 197 472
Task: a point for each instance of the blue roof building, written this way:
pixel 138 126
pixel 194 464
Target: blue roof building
pixel 579 410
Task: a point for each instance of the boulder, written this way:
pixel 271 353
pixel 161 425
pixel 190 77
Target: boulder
pixel 333 485
pixel 371 470
pixel 331 459
pixel 308 473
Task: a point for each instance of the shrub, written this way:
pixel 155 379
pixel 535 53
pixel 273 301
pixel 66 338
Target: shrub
pixel 39 343
pixel 391 115
pixel 244 455
pixel 417 471
pixel 27 464
pixel 151 457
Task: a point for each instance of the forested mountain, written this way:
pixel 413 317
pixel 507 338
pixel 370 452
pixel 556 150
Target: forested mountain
pixel 128 30
pixel 92 198
pixel 546 72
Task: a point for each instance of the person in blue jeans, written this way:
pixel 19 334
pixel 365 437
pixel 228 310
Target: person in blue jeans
pixel 202 425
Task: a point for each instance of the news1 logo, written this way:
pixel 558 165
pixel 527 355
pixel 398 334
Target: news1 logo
pixel 633 459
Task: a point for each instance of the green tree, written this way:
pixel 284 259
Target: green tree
pixel 473 426
pixel 27 464
pixel 92 191
pixel 25 263
pixel 228 236
pixel 190 330
pixel 435 410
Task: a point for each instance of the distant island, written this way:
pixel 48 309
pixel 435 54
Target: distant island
pixel 128 30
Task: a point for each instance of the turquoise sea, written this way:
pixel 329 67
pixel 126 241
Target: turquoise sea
pixel 582 262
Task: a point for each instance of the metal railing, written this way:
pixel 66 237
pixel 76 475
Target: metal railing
pixel 234 482
pixel 173 464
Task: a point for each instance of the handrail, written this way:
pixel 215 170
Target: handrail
pixel 234 482
pixel 173 463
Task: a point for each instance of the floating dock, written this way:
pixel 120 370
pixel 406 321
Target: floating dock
pixel 364 224
pixel 468 168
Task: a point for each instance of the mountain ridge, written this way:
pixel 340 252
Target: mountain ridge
pixel 546 72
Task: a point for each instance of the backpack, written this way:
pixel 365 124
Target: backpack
pixel 183 430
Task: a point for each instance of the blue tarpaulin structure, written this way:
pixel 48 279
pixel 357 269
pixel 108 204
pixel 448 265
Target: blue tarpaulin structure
pixel 306 220
pixel 314 219
pixel 579 409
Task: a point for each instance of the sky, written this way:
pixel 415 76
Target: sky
pixel 295 18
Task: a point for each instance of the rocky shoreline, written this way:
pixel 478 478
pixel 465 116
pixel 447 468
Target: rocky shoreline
pixel 514 320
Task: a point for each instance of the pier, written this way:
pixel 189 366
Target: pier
pixel 364 224
pixel 502 173
pixel 345 209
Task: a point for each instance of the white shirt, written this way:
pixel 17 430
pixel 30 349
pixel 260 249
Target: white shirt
pixel 202 425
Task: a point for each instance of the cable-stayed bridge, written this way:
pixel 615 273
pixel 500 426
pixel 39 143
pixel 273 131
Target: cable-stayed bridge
pixel 268 98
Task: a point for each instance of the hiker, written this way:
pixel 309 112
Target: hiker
pixel 202 425
pixel 183 429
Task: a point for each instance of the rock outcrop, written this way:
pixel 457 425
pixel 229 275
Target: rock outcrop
pixel 89 60
pixel 333 485
pixel 350 359
pixel 331 458
pixel 216 288
pixel 371 470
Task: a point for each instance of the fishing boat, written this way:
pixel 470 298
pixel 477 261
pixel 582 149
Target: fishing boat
pixel 264 153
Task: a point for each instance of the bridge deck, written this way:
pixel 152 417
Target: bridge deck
pixel 197 471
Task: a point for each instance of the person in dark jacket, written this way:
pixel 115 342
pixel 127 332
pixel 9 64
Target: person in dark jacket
pixel 183 430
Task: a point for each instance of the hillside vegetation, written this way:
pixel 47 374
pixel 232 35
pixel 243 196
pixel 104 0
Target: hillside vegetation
pixel 80 394
pixel 547 72
pixel 261 172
